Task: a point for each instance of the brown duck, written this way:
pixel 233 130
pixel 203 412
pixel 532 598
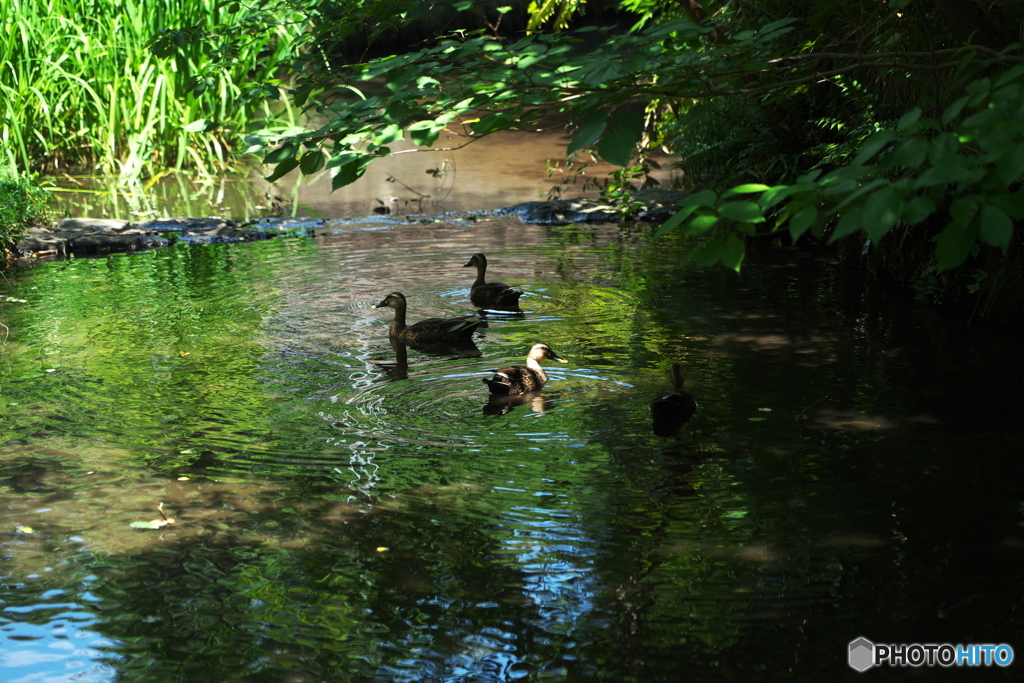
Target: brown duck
pixel 494 295
pixel 431 329
pixel 518 379
pixel 672 408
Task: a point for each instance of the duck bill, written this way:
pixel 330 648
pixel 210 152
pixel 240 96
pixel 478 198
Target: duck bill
pixel 555 356
pixel 382 304
pixel 467 265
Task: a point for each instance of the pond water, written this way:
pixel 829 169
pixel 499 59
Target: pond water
pixel 853 468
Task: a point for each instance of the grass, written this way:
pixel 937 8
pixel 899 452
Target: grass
pixel 23 203
pixel 80 86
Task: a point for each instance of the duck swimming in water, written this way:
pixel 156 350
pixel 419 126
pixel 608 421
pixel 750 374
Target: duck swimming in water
pixel 429 330
pixel 494 295
pixel 517 379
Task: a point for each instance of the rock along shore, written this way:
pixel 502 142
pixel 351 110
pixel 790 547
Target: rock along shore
pixel 102 236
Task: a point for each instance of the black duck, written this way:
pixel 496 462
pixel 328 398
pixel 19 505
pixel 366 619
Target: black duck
pixel 672 408
pixel 493 295
pixel 429 330
pixel 517 379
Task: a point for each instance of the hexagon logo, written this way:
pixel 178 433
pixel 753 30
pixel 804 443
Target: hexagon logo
pixel 862 654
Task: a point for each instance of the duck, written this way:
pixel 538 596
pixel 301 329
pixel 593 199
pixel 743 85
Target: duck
pixel 672 408
pixel 429 330
pixel 518 379
pixel 493 295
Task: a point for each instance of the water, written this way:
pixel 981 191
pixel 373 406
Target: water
pixel 853 468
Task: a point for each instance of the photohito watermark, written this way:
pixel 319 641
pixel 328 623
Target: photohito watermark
pixel 863 654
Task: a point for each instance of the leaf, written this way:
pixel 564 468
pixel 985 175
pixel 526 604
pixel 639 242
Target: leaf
pixel 911 153
pixel 674 221
pixel 282 169
pixel 152 524
pixel 873 145
pixel 311 162
pixel 745 189
pixel 350 171
pixel 619 141
pixel 733 252
pixel 909 118
pixel 425 133
pixel 589 132
pixel 917 209
pixel 962 209
pixel 850 223
pixel 881 211
pixel 196 126
pixel 995 227
pixel 952 169
pixel 282 153
pixel 801 221
pixel 953 110
pixel 701 223
pixel 702 198
pixel 1010 165
pixel 746 212
pixel 953 245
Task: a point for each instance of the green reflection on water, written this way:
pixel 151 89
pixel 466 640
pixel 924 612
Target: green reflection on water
pixel 334 524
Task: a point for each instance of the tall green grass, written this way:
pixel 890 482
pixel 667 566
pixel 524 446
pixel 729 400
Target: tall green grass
pixel 80 86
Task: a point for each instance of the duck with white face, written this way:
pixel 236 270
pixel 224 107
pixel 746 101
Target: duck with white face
pixel 518 379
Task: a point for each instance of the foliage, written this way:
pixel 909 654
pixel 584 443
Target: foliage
pixel 23 203
pixel 80 85
pixel 780 107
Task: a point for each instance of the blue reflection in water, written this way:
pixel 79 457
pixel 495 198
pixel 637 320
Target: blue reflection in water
pixel 60 648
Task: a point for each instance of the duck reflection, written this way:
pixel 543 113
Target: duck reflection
pixel 399 369
pixel 500 404
pixel 672 408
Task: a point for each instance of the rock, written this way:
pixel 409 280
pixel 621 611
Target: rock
pixel 101 236
pixel 658 207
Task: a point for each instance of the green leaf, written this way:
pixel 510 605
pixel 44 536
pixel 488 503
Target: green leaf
pixel 774 195
pixel 674 221
pixel 996 228
pixel 881 211
pixel 311 162
pixel 350 171
pixel 953 110
pixel 917 209
pixel 619 141
pixel 962 209
pixel 702 198
pixel 282 153
pixel 911 153
pixel 197 126
pixel 745 189
pixel 909 119
pixel 801 221
pixel 873 145
pixel 850 223
pixel 389 134
pixel 708 253
pixel 953 245
pixel 733 252
pixel 952 169
pixel 282 169
pixel 701 223
pixel 425 133
pixel 589 132
pixel 746 212
pixel 1010 165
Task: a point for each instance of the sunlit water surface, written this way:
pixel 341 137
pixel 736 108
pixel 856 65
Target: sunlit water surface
pixel 853 468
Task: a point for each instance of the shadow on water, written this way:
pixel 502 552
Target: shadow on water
pixel 852 469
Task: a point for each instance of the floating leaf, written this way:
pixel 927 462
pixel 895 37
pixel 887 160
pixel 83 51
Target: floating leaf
pixel 152 524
